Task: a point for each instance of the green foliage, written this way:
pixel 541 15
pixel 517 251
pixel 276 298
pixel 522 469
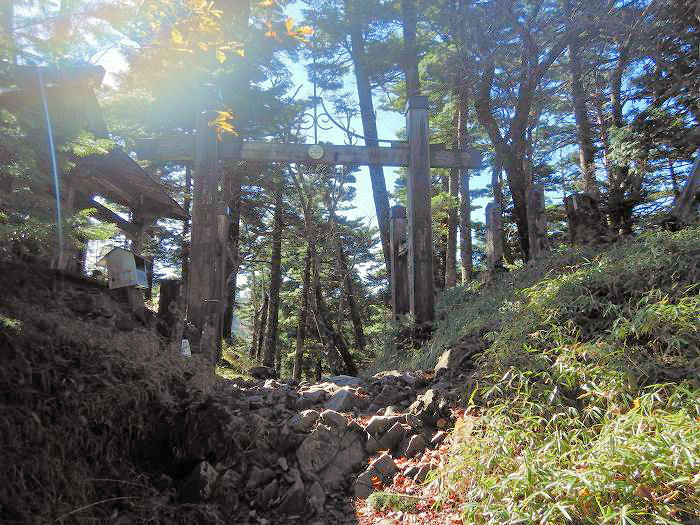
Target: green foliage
pixel 584 405
pixel 387 501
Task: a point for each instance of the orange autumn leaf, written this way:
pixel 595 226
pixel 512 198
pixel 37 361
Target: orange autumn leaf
pixel 376 482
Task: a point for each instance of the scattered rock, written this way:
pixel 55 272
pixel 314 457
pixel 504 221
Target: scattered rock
pixel 384 467
pixel 317 450
pixel 343 380
pixel 309 399
pixel 199 485
pixel 282 462
pixel 294 499
pixel 392 437
pixel 303 421
pixel 125 323
pixel 317 497
pixel 429 407
pixel 422 473
pixel 415 445
pixel 259 476
pixel 343 401
pixel 377 425
pixel 438 438
pixel 334 420
pixel 226 491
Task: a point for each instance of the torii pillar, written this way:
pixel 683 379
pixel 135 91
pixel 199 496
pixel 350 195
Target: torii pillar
pixel 204 287
pixel 420 231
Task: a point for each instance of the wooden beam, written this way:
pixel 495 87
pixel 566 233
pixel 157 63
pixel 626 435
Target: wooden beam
pixel 105 214
pixel 181 149
pixel 420 228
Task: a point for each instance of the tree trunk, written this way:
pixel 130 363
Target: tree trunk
pixel 187 204
pixel 232 184
pixel 583 123
pixel 349 286
pixel 302 317
pixel 462 183
pixel 270 348
pixel 369 127
pixel 332 339
pixel 256 316
pixel 260 336
pixel 410 49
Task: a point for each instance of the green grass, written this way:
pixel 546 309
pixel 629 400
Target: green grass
pixel 235 361
pixel 586 402
pixel 388 501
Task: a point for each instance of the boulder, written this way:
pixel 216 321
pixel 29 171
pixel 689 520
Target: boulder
pixel 259 476
pixel 309 399
pixel 383 467
pixel 343 401
pixel 303 421
pixel 334 420
pixel 350 457
pixel 343 380
pixel 317 450
pixel 200 484
pixel 363 484
pixel 377 425
pixel 392 437
pixel 294 499
pixel 422 473
pixel 267 495
pixel 391 394
pixel 317 497
pixel 430 406
pixel 415 445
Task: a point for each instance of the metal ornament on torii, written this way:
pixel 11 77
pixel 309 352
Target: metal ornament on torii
pixel 208 247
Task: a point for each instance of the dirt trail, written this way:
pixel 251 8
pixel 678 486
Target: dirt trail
pixel 104 424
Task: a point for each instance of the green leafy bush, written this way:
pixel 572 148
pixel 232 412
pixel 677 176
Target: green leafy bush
pixel 585 405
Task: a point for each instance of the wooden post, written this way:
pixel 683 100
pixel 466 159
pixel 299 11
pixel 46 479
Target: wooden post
pixel 420 235
pixel 399 260
pixel 536 220
pixel 204 286
pixel 169 306
pixel 494 237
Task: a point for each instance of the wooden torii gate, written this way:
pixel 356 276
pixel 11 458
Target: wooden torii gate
pixel 208 247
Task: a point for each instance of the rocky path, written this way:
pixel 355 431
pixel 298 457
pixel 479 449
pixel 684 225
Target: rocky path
pixel 274 452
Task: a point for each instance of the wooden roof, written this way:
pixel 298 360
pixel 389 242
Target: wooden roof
pixel 73 107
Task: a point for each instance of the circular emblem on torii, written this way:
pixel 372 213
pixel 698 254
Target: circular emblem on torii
pixel 315 151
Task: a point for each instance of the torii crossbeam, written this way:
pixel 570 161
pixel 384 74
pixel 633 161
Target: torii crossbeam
pixel 206 290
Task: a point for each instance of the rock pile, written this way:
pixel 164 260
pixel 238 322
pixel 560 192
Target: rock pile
pixel 299 453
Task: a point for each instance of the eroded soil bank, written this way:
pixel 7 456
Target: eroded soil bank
pixel 100 423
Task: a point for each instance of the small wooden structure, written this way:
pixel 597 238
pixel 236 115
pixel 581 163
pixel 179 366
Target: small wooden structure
pixel 113 176
pixel 125 268
pixel 206 287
